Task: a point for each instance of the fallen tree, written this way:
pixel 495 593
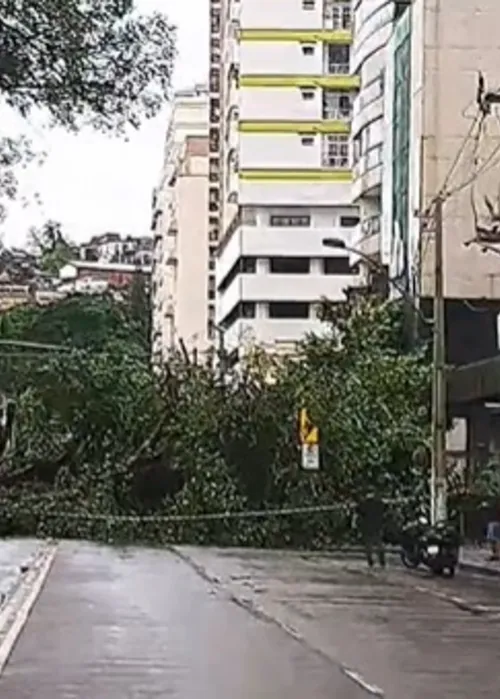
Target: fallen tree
pixel 102 442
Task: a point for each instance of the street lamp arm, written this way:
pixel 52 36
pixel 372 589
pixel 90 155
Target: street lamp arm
pixel 340 245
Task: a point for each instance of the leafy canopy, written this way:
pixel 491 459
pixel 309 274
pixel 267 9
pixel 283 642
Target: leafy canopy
pixel 99 431
pixel 97 63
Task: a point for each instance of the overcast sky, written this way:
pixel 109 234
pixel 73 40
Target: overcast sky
pixel 92 183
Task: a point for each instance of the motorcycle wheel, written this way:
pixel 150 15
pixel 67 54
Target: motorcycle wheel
pixel 450 572
pixel 409 561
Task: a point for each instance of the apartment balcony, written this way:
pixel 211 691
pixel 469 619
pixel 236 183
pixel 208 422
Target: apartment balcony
pixel 258 288
pixel 271 332
pixel 370 242
pixel 366 113
pixel 368 174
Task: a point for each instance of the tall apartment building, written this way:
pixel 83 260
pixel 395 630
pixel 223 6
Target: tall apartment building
pixel 182 291
pixel 374 22
pixel 285 97
pixel 418 63
pixel 216 88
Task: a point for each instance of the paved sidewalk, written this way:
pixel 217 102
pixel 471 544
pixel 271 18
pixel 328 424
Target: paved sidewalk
pixel 475 559
pixel 14 553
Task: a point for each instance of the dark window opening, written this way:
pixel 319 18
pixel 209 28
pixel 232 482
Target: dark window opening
pixel 290 221
pixel 288 309
pixel 349 221
pixel 336 265
pixel 289 265
pixel 245 265
pixel 244 309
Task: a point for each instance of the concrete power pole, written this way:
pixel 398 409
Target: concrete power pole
pixel 439 508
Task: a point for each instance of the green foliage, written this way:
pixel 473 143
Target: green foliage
pixel 51 246
pixel 15 152
pixel 99 62
pixel 99 432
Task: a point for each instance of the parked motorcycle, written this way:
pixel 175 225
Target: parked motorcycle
pixel 436 547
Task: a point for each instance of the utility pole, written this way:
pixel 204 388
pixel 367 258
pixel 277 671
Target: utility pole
pixel 439 412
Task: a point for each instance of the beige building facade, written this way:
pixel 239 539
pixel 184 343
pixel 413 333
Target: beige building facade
pixel 180 280
pixel 418 130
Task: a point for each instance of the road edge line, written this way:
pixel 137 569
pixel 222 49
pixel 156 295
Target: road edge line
pixel 24 611
pixel 261 614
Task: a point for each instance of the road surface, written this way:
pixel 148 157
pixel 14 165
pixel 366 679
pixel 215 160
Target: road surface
pixel 206 624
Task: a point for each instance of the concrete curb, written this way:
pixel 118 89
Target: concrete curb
pixel 15 614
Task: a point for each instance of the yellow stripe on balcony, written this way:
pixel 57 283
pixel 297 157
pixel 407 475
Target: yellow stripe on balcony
pixel 298 127
pixel 327 36
pixel 296 175
pixel 336 82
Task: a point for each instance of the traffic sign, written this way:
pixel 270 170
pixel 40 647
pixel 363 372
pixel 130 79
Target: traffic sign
pixel 308 432
pixel 310 457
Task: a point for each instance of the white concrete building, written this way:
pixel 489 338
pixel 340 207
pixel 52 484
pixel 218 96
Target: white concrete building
pixel 286 176
pixel 373 21
pixel 418 63
pixel 181 289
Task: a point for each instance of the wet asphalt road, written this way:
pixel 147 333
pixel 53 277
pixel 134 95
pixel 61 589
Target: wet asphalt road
pixel 146 624
pixel 401 633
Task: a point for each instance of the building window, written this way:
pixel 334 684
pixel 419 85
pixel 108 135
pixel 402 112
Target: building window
pixel 336 265
pixel 307 140
pixel 349 221
pixel 245 265
pixel 248 216
pixel 337 59
pixel 307 49
pixel 290 221
pixel 336 151
pixel 338 14
pixel 337 105
pixel 308 4
pixel 213 199
pixel 288 309
pixel 211 287
pixel 214 169
pixel 211 264
pixel 248 309
pixel 244 309
pixel 289 265
pixel 307 94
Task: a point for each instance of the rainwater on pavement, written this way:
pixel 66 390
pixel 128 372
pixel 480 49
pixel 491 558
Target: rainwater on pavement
pixel 143 624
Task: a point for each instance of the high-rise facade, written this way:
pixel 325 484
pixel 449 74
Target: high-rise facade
pixel 373 22
pixel 436 139
pixel 285 97
pixel 217 23
pixel 182 269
